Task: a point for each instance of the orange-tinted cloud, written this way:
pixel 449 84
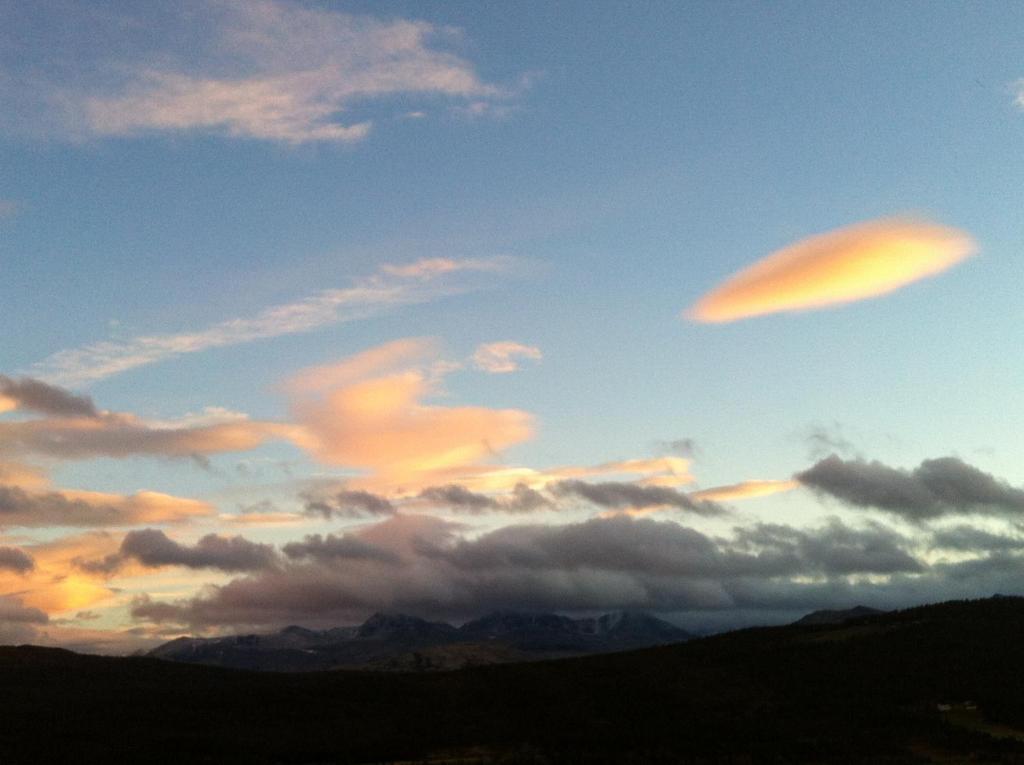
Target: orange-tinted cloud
pixel 368 412
pixel 123 435
pixel 25 508
pixel 655 471
pixel 22 476
pixel 837 267
pixel 56 584
pixel 72 427
pixel 744 490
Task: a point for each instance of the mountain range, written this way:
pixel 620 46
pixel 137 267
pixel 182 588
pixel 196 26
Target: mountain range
pixel 399 642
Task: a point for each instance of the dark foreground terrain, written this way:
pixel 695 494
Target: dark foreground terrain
pixel 941 683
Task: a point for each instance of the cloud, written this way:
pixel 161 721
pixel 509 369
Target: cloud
pixel 390 357
pixel 369 412
pixel 823 440
pixel 243 69
pixel 18 622
pixel 23 476
pixel 841 266
pixel 55 584
pixel 390 288
pixel 656 471
pixel 683 447
pixel 743 490
pixel 969 539
pixel 38 396
pixel 458 497
pixel 429 268
pixel 73 428
pixel 348 503
pixel 937 487
pixel 331 548
pixel 522 499
pixel 503 357
pixel 615 494
pixel 21 508
pixel 439 570
pixel 1019 97
pixel 153 548
pixel 122 435
pixel 833 549
pixel 18 561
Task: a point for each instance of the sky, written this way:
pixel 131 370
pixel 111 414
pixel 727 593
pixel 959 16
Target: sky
pixel 318 309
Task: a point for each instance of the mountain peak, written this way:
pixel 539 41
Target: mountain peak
pixel 383 625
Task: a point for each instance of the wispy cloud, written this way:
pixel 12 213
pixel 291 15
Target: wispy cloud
pixel 257 69
pixel 393 286
pixel 504 356
pixel 1018 88
pixel 842 266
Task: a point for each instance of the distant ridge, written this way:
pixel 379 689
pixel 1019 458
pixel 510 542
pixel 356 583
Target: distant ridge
pixel 837 617
pixel 402 642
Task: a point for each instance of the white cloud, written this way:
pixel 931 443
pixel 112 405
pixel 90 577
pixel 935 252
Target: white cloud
pixel 259 69
pixel 503 356
pixel 393 286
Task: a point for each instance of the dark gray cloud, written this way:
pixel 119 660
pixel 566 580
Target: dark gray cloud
pixel 614 494
pixel 834 549
pixel 20 508
pixel 937 487
pixel 523 499
pixel 347 504
pixel 41 397
pixel 526 500
pixel 609 563
pixel 146 609
pixel 13 559
pixel 331 548
pixel 458 497
pixel 13 610
pixel 969 539
pixel 615 544
pixel 153 548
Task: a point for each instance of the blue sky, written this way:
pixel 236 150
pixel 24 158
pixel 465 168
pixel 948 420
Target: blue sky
pixel 167 171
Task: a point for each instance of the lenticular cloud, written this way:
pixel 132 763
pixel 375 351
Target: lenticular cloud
pixel 841 266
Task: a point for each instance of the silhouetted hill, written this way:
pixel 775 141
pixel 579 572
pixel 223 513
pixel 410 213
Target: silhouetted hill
pixel 401 642
pixel 888 688
pixel 836 617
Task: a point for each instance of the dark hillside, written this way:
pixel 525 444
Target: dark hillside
pixel 867 690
